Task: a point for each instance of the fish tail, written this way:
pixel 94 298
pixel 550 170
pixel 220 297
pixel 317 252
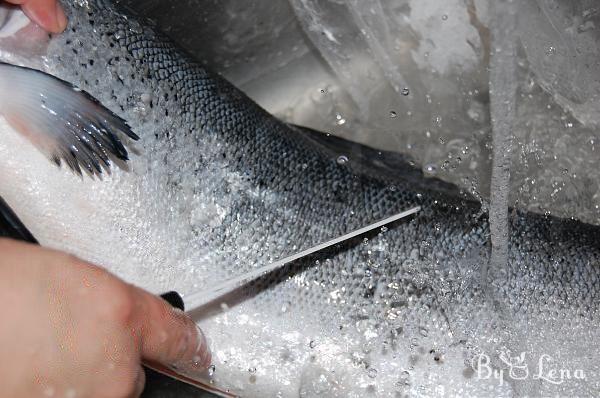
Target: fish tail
pixel 65 123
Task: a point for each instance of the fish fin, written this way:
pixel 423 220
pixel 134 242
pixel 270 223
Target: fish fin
pixel 11 226
pixel 389 166
pixel 67 124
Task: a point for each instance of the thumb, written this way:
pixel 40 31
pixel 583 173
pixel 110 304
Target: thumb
pixel 46 13
pixel 167 335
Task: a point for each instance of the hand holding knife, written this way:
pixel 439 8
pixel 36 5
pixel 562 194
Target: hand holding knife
pixel 195 301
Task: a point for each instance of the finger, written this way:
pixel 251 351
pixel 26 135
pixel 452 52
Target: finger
pixel 140 383
pixel 168 336
pixel 46 13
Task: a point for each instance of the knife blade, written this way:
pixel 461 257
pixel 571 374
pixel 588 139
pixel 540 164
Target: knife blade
pixel 194 301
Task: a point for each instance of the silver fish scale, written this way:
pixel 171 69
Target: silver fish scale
pixel 394 303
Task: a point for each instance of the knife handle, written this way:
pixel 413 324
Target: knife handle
pixel 174 299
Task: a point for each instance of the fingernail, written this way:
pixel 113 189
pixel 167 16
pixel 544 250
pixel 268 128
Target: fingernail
pixel 184 346
pixel 140 383
pixel 61 18
pixel 200 358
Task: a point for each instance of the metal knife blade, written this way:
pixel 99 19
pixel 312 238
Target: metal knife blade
pixel 199 299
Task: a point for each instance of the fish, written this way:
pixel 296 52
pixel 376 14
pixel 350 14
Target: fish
pixel 177 180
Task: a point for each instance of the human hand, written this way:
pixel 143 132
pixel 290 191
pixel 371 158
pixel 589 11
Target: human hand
pixel 46 13
pixel 72 329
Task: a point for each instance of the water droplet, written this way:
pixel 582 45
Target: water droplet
pixel 312 344
pixel 550 50
pixel 444 17
pixel 211 370
pixel 405 91
pixel 393 114
pixel 340 120
pixel 146 98
pixel 431 168
pixel 252 369
pixel 372 373
pixel 342 159
pixel 285 307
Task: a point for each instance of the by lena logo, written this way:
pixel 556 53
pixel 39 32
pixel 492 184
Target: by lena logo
pixel 517 368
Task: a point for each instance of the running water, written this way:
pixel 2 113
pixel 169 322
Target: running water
pixel 503 86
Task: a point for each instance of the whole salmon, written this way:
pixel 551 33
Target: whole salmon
pixel 215 186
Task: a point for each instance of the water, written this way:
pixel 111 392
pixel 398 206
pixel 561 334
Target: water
pixel 503 102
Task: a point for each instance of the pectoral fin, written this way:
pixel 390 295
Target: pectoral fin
pixel 67 124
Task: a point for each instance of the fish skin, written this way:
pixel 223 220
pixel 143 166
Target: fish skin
pixel 217 185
